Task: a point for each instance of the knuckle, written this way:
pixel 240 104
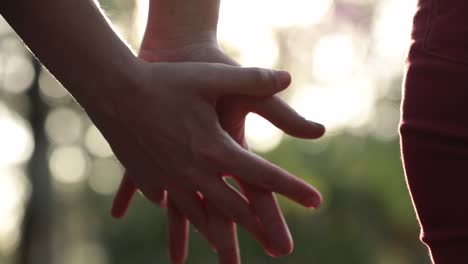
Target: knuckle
pixel 192 177
pixel 241 215
pixel 212 153
pixel 190 172
pixel 262 76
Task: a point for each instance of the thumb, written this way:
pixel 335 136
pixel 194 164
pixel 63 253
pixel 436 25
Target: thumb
pixel 280 114
pixel 231 80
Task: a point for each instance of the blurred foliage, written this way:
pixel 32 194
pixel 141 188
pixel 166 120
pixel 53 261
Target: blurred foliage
pixel 366 216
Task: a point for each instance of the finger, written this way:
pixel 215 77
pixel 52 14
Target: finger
pixel 263 174
pixel 224 234
pixel 221 79
pixel 189 204
pixel 280 114
pixel 178 234
pixel 154 192
pixel 262 202
pixel 123 197
pixel 232 204
pixel 274 226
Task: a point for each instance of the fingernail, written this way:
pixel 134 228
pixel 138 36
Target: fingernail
pixel 283 78
pixel 318 125
pixel 280 247
pixel 318 128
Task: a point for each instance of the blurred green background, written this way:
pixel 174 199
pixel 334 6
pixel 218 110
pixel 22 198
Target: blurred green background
pixel 58 175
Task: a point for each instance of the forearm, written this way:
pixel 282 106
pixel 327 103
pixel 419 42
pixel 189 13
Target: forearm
pixel 175 22
pixel 433 136
pixel 434 128
pixel 74 41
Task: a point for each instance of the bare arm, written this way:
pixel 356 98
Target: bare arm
pixel 74 41
pixel 174 23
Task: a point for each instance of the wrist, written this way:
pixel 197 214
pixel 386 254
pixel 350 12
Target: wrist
pixel 179 23
pixel 176 41
pixel 100 97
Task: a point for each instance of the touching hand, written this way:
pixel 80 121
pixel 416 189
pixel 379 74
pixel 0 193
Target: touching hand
pixel 231 111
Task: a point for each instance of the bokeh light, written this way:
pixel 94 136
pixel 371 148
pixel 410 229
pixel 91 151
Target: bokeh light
pixel 18 73
pixel 334 58
pixel 14 191
pixel 261 135
pixel 96 143
pixel 337 86
pixel 272 13
pixel 87 252
pixel 340 105
pixel 4 27
pixel 105 176
pixel 16 142
pixel 293 13
pixel 50 87
pixel 68 164
pixel 392 31
pixel 63 125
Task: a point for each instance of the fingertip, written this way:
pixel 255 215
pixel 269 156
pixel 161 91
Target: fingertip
pixel 177 235
pixel 318 129
pixel 281 250
pixel 120 205
pixel 123 197
pixel 117 212
pixel 314 201
pixel 283 79
pixel 280 243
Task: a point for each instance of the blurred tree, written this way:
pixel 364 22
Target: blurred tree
pixel 36 237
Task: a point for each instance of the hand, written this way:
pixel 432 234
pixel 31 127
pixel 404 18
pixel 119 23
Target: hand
pixel 179 120
pixel 231 111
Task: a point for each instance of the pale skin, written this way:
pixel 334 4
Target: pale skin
pixel 179 38
pixel 164 121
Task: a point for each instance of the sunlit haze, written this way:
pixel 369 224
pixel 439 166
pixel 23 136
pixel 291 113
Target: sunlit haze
pixel 339 74
pixel 340 89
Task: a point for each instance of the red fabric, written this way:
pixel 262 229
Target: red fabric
pixel 434 127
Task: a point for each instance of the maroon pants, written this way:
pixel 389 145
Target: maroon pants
pixel 434 127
